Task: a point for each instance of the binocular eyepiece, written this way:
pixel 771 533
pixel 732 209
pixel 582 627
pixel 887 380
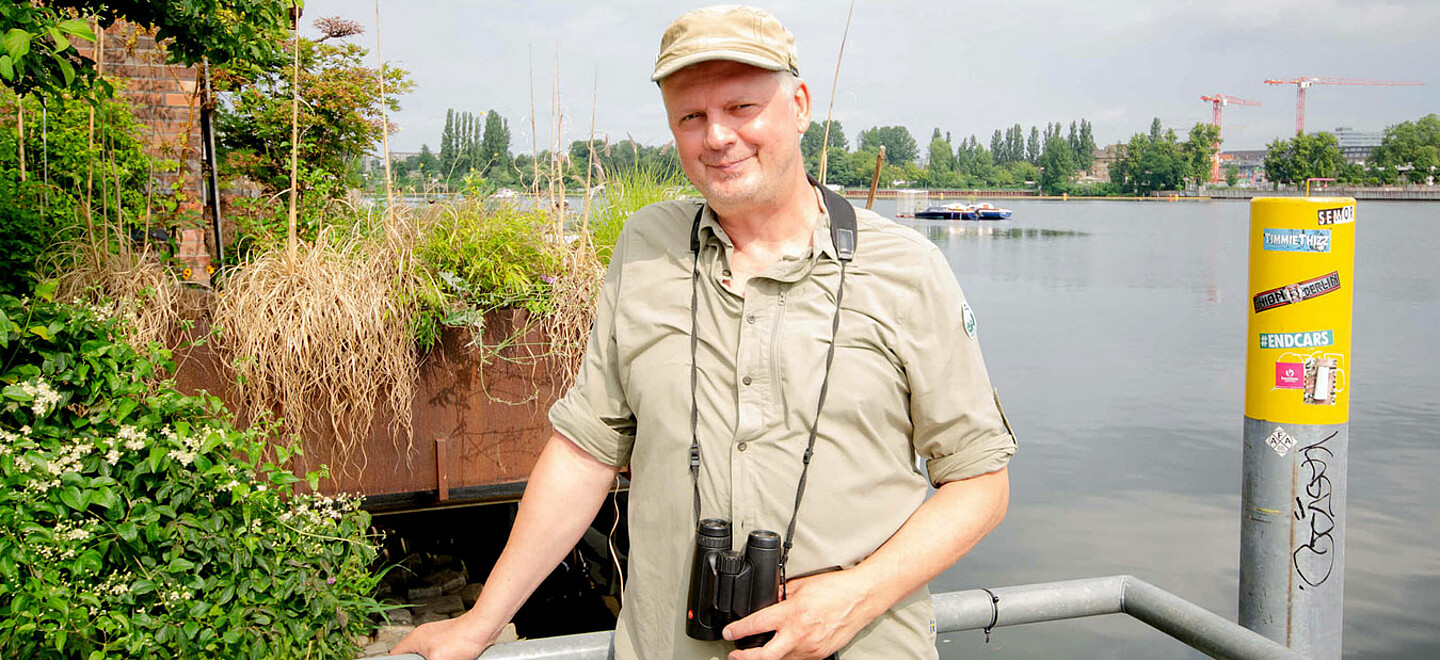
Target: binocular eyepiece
pixel 728 585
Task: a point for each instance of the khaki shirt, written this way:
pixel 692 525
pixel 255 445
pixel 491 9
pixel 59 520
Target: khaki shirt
pixel 907 380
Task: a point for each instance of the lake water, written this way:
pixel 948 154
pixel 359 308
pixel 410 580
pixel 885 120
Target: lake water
pixel 1115 333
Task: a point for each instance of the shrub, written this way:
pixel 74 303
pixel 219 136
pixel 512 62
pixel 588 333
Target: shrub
pixel 136 521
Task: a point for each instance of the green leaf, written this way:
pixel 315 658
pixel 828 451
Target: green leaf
pixel 7 68
pixel 16 42
pixel 41 332
pixel 72 498
pixel 46 290
pixel 66 69
pixel 76 27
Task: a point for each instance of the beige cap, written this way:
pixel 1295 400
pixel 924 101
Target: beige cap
pixel 748 35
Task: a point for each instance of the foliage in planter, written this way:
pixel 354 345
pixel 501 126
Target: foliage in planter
pixel 491 258
pixel 44 209
pixel 138 522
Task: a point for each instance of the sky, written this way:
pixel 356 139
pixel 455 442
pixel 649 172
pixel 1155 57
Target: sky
pixel 963 67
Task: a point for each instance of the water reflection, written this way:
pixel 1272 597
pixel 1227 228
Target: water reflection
pixel 954 230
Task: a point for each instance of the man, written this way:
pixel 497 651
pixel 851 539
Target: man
pixel 765 278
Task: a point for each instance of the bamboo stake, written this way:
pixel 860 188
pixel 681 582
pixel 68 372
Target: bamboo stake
pixel 534 135
pixel 557 165
pixel 90 139
pixel 291 228
pixel 834 88
pixel 589 164
pixel 20 128
pixel 384 118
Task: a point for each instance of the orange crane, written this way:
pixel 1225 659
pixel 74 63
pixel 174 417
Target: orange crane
pixel 1217 102
pixel 1302 84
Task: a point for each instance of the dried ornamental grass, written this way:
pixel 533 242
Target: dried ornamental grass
pixel 324 340
pixel 141 289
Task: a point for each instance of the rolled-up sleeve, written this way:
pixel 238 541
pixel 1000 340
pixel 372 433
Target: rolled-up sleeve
pixel 594 413
pixel 959 428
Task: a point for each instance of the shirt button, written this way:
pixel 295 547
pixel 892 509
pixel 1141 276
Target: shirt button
pixel 750 319
pixel 742 446
pixel 745 380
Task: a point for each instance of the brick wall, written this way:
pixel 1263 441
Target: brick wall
pixel 164 100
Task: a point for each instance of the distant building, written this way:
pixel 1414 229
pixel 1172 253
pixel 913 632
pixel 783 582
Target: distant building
pixel 374 162
pixel 1101 161
pixel 1250 162
pixel 1357 145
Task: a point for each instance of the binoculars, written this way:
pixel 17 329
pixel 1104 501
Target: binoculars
pixel 727 585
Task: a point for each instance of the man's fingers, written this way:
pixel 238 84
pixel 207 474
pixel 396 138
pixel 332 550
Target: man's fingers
pixel 765 620
pixel 777 648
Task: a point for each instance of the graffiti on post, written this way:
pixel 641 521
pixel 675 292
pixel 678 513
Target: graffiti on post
pixel 1315 559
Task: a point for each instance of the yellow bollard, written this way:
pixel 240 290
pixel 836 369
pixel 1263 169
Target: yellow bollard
pixel 1302 265
pixel 1297 413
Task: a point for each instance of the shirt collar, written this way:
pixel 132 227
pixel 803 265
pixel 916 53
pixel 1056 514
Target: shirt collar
pixel 819 239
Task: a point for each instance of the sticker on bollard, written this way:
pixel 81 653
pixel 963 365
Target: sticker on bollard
pixel 1294 293
pixel 1337 216
pixel 1297 240
pixel 1313 339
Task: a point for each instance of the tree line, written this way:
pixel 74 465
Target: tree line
pixel 1409 152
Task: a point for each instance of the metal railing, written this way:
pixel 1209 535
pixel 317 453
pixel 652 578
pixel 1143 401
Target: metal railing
pixel 1187 622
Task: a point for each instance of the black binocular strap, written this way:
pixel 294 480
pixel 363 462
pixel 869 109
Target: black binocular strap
pixel 843 235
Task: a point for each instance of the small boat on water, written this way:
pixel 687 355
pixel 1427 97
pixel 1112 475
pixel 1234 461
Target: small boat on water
pixel 957 211
pixel 947 212
pixel 988 211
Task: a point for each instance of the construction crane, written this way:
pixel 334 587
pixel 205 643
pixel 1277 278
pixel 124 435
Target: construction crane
pixel 1302 84
pixel 1217 102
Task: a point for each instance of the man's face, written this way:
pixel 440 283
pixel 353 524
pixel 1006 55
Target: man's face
pixel 737 131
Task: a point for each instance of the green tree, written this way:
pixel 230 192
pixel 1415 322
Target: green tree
pixel 1200 150
pixel 339 119
pixel 1306 156
pixel 1032 146
pixel 495 147
pixel 1412 147
pixel 1150 162
pixel 1085 154
pixel 900 147
pixel 814 138
pixel 1232 173
pixel 1056 165
pixel 941 165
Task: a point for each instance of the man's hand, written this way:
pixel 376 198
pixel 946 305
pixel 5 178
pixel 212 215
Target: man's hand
pixel 453 639
pixel 819 615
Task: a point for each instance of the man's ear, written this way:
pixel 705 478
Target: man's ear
pixel 802 107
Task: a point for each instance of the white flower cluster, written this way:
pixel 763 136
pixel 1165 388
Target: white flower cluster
pixel 44 397
pixel 133 438
pixel 10 439
pixel 65 461
pixel 173 597
pixel 116 584
pixel 103 311
pixel 68 538
pixel 192 443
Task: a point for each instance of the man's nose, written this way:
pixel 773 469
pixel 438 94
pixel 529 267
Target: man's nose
pixel 718 136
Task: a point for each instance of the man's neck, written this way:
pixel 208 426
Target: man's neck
pixel 788 222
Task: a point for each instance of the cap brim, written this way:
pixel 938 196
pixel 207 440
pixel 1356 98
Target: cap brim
pixel 710 55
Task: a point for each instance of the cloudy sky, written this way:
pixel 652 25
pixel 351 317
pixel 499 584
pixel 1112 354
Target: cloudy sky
pixel 964 67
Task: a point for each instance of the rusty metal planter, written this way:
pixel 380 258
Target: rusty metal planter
pixel 478 425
